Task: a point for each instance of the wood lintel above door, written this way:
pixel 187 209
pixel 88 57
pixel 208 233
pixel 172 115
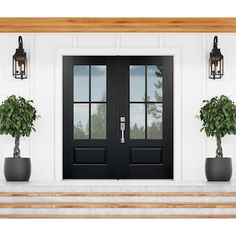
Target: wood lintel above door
pixel 181 25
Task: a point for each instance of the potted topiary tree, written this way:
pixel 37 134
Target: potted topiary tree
pixel 17 117
pixel 218 117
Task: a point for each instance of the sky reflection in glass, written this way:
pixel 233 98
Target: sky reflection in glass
pixel 81 83
pixel 137 83
pixel 98 83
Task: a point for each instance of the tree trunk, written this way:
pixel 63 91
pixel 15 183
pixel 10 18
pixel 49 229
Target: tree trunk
pixel 219 150
pixel 16 152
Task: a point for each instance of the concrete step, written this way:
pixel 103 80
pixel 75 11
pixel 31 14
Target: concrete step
pixel 117 204
pixel 68 199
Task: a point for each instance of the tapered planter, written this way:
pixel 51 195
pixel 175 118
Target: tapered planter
pixel 218 169
pixel 17 169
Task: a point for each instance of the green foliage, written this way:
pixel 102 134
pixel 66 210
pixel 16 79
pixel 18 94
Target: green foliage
pixel 218 117
pixel 17 117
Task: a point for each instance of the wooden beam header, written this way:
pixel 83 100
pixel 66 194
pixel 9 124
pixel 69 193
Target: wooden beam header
pixel 181 25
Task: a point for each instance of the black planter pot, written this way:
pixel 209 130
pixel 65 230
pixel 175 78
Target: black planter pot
pixel 17 169
pixel 218 169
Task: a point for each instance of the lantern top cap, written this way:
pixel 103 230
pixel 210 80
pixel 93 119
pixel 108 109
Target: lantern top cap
pixel 20 52
pixel 215 53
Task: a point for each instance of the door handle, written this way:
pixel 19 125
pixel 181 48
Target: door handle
pixel 122 128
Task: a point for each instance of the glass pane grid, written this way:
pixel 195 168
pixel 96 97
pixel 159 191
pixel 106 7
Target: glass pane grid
pixel 150 125
pixel 90 98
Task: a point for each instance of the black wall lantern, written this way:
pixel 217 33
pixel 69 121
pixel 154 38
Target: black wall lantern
pixel 216 62
pixel 19 62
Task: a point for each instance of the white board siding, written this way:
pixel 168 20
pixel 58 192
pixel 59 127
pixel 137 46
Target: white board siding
pixel 194 51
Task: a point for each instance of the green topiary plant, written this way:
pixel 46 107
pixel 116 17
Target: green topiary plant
pixel 218 117
pixel 17 117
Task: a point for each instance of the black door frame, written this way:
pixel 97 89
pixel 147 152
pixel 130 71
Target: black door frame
pixel 117 115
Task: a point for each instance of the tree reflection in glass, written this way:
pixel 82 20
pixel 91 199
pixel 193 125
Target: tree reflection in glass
pixel 154 88
pixel 154 83
pixel 81 121
pixel 98 120
pixel 154 121
pixel 137 121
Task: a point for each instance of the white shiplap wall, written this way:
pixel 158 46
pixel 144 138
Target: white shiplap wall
pixel 194 50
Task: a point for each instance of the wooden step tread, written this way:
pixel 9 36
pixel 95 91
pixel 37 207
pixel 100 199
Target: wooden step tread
pixel 126 205
pixel 116 216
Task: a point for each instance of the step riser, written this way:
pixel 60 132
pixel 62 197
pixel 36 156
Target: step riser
pixel 117 194
pixel 140 211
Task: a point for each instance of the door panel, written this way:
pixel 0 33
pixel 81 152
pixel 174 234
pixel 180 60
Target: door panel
pixel 90 155
pixel 145 155
pixel 89 115
pixel 146 104
pixel 117 117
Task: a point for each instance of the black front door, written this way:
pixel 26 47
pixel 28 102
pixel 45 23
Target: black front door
pixel 118 117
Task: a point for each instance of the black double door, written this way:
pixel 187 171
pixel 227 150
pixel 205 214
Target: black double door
pixel 117 117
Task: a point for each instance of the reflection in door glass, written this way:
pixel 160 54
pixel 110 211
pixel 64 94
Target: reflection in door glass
pixel 81 83
pixel 98 121
pixel 154 121
pixel 137 121
pixel 137 83
pixel 154 83
pixel 98 83
pixel 81 121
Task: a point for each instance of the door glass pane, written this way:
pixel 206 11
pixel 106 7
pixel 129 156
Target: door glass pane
pixel 137 121
pixel 154 121
pixel 98 83
pixel 137 83
pixel 98 121
pixel 81 83
pixel 81 121
pixel 154 83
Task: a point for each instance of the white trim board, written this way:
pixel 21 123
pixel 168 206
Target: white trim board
pixel 58 145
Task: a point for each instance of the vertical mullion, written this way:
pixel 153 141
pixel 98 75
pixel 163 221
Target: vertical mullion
pixel 145 102
pixel 89 101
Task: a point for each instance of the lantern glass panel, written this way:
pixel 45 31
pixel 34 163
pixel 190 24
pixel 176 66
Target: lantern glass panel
pixel 216 62
pixel 19 63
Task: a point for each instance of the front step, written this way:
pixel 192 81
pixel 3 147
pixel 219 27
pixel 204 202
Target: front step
pixel 68 204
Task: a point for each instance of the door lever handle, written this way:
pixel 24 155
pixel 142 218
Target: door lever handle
pixel 122 128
